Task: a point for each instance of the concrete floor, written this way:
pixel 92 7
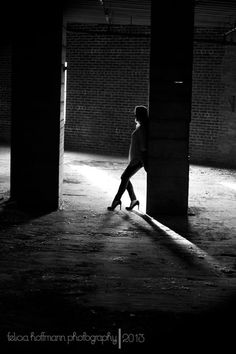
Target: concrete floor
pixel 165 282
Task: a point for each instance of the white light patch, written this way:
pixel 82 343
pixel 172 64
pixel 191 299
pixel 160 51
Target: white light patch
pixel 230 185
pixel 101 179
pixel 186 245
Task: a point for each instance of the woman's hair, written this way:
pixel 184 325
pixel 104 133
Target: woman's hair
pixel 141 114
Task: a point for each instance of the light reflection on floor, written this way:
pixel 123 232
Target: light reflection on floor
pixel 186 246
pixel 108 179
pixel 229 185
pixel 212 195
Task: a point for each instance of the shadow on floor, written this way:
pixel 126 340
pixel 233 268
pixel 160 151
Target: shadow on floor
pixel 12 215
pixel 181 224
pixel 190 257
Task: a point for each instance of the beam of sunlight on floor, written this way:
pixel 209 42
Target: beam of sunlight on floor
pixel 105 179
pixel 230 185
pixel 185 245
pixel 5 171
pixel 106 182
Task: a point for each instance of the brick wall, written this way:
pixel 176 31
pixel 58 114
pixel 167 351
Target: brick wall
pixel 108 75
pixel 213 125
pixel 5 93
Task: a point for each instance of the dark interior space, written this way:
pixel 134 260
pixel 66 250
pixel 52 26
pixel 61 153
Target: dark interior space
pixel 75 276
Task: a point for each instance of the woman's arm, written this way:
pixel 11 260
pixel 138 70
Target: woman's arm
pixel 145 159
pixel 143 148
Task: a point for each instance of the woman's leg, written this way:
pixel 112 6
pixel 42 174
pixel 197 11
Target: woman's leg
pixel 130 190
pixel 125 181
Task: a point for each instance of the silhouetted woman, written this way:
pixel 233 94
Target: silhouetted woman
pixel 137 158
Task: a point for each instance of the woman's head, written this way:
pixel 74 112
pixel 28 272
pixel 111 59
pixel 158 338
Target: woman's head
pixel 141 114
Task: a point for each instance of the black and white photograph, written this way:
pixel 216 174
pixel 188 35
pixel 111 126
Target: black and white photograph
pixel 117 176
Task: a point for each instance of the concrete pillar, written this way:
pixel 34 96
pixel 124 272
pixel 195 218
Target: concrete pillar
pixel 170 107
pixel 37 122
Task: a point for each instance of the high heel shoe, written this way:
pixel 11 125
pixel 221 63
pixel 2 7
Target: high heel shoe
pixel 115 203
pixel 133 204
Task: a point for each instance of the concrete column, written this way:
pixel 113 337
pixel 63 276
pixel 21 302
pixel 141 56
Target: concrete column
pixel 37 127
pixel 170 107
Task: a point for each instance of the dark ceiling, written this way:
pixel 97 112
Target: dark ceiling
pixel 217 13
